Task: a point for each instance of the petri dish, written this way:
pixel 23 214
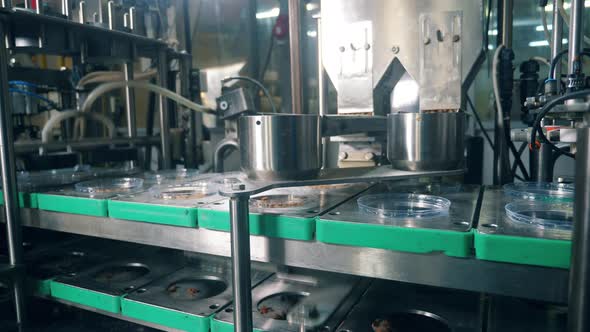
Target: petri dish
pixel 181 174
pixel 540 191
pixel 404 205
pixel 542 214
pixel 116 185
pixel 282 203
pixel 194 190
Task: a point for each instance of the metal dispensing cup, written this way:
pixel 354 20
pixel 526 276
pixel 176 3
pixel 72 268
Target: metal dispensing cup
pixel 426 141
pixel 280 146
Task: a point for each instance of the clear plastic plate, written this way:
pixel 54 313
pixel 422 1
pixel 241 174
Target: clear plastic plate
pixel 404 205
pixel 541 214
pixel 182 191
pixel 181 174
pixel 282 203
pixel 117 185
pixel 540 191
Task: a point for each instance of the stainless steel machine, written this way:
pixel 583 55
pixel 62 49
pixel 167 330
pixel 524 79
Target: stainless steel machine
pixel 397 237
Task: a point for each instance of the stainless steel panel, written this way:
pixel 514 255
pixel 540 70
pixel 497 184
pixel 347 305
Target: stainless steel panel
pixel 426 141
pixel 406 307
pixel 532 282
pixel 280 146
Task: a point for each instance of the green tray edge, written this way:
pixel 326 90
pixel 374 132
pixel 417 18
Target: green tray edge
pixel 157 214
pixel 416 240
pixel 270 225
pixel 219 326
pixel 25 200
pixel 523 250
pixel 74 205
pixel 165 317
pixel 86 297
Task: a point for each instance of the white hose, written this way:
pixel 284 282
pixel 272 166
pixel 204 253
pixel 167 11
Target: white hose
pixel 545 27
pixel 541 60
pixel 495 84
pixel 106 87
pixel 566 18
pixel 58 118
pixel 109 76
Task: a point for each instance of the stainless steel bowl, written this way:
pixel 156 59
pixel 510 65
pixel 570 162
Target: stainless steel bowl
pixel 426 141
pixel 280 146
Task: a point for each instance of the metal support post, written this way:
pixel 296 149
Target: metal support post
pixel 579 297
pixel 130 101
pixel 164 121
pixel 575 37
pixel 188 116
pixel 240 258
pixel 295 56
pixel 556 39
pixel 9 185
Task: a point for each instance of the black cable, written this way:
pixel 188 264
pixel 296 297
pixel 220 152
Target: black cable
pixel 255 82
pixel 554 63
pixel 486 36
pixel 543 112
pixel 480 123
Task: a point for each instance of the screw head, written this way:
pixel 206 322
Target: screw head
pixel 426 41
pixel 223 105
pixel 395 49
pixel 341 48
pixel 456 38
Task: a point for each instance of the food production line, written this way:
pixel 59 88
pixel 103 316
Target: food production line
pixel 356 203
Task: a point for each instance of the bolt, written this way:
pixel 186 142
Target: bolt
pixel 342 155
pixel 369 156
pixel 223 105
pixel 342 48
pixel 395 49
pixel 367 46
pixel 426 41
pixel 456 38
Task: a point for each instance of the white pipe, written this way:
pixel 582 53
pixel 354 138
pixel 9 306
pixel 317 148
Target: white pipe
pixel 108 76
pixel 495 84
pixel 56 119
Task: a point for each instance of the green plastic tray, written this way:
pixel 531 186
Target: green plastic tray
pixel 164 316
pixel 153 213
pixel 270 225
pixel 523 250
pixel 219 326
pixel 72 204
pixel 25 200
pixel 416 240
pixel 106 302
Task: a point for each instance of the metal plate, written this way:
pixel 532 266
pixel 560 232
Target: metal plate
pixel 427 309
pixel 461 215
pixel 493 220
pixel 212 282
pixel 283 292
pixel 508 314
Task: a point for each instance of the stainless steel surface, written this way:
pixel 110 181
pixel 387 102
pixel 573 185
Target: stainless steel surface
pixel 439 270
pixel 130 101
pixel 508 314
pixel 240 261
pixel 280 146
pixel 124 274
pixel 460 218
pixel 65 8
pixel 9 186
pixel 426 141
pixel 295 56
pixel 556 38
pixel 363 49
pixel 493 219
pixel 326 177
pixel 579 299
pixel 165 146
pixel 575 35
pixel 407 307
pixel 212 279
pixel 220 150
pixel 507 21
pixel 281 293
pixel 81 145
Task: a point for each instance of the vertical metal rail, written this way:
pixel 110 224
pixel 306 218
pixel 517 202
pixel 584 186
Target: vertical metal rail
pixel 240 257
pixel 9 185
pixel 556 39
pixel 295 56
pixel 253 56
pixel 575 36
pixel 191 143
pixel 164 120
pixel 579 297
pixel 322 90
pixel 129 92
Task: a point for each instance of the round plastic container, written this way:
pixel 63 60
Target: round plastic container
pixel 540 191
pixel 109 185
pixel 282 203
pixel 181 174
pixel 182 191
pixel 404 205
pixel 541 214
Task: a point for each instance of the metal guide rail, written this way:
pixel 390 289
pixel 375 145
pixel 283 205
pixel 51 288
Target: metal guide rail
pixel 434 269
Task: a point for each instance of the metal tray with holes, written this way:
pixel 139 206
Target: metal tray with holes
pixel 393 306
pixel 324 297
pixel 102 286
pixel 187 298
